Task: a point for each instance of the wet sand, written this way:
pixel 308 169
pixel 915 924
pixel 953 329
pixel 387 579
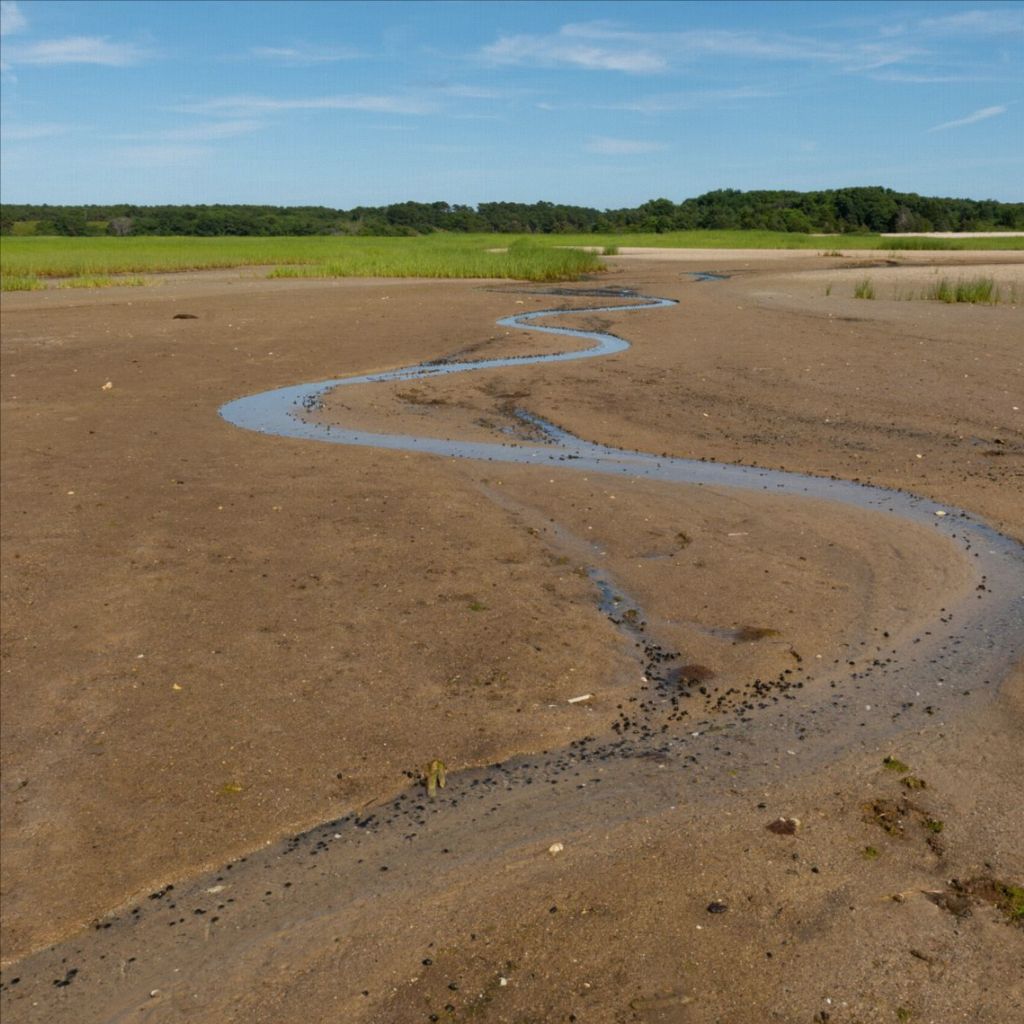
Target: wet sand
pixel 316 624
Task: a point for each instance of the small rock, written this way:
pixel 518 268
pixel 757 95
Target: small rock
pixel 185 316
pixel 717 907
pixel 107 386
pixel 555 849
pixel 784 826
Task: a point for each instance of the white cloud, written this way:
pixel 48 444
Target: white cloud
pixel 75 50
pixel 11 18
pixel 605 46
pixel 251 106
pixel 913 78
pixel 474 92
pixel 199 132
pixel 303 54
pixel 695 99
pixel 999 21
pixel 572 45
pixel 979 115
pixel 31 132
pixel 157 155
pixel 605 146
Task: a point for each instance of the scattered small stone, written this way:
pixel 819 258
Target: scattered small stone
pixel 784 826
pixel 717 907
pixel 556 848
pixel 184 316
pixel 107 386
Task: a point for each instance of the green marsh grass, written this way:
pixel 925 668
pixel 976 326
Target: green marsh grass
pixel 976 290
pixel 864 289
pixel 20 283
pixel 426 256
pixel 522 260
pixel 103 282
pixel 756 239
pixel 438 254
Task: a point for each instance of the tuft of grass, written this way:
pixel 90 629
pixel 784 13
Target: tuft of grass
pixel 104 282
pixel 894 764
pixel 1013 902
pixel 20 283
pixel 975 290
pixel 864 289
pixel 610 250
pixel 934 825
pixel 870 853
pixel 828 289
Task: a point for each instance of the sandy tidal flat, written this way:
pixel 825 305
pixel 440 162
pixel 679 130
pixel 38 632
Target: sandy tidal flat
pixel 214 640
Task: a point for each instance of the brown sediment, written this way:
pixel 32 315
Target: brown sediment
pixel 316 622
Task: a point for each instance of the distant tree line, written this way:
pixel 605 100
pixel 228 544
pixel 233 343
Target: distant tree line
pixel 843 211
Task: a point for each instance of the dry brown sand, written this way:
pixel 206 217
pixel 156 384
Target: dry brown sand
pixel 213 639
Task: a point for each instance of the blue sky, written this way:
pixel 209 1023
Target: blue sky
pixel 600 104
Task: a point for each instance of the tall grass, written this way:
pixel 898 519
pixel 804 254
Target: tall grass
pixel 864 289
pixel 428 256
pixel 757 239
pixel 20 283
pixel 76 257
pixel 103 282
pixel 976 290
pixel 522 260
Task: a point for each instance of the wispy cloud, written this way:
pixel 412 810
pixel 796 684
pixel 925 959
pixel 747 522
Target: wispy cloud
pixel 998 21
pixel 11 18
pixel 204 132
pixel 605 146
pixel 924 78
pixel 32 132
pixel 979 115
pixel 694 99
pixel 605 46
pixel 474 92
pixel 253 106
pixel 302 54
pixel 157 155
pixel 576 46
pixel 75 50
